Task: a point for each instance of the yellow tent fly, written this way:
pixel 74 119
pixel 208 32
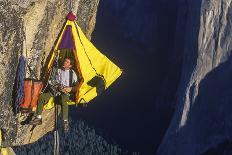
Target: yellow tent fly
pixel 95 70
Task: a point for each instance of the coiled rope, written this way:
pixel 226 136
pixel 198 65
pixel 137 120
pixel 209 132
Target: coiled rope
pixel 21 72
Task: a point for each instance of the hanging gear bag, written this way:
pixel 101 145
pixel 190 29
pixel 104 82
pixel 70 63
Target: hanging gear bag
pixel 32 89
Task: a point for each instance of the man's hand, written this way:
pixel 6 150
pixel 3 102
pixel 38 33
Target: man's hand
pixel 60 88
pixel 67 89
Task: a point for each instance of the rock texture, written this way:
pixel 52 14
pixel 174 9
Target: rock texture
pixel 203 117
pixel 30 27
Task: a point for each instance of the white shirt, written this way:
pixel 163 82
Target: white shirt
pixel 63 77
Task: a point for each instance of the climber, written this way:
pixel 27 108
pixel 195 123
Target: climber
pixel 66 86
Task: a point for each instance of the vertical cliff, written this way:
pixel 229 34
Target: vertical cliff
pixel 30 27
pixel 193 51
pixel 203 117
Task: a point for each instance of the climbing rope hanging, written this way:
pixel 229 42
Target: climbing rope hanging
pixel 30 71
pixel 56 132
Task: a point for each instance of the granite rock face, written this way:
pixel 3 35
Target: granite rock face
pixel 201 51
pixel 30 27
pixel 203 117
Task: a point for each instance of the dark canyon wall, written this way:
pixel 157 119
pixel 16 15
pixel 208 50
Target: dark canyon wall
pixel 203 118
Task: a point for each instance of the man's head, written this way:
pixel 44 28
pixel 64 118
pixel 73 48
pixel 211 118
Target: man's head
pixel 67 63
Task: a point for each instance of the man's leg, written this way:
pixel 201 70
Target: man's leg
pixel 64 100
pixel 43 99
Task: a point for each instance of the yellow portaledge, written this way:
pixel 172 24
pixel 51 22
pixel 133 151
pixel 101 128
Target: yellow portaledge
pixel 90 63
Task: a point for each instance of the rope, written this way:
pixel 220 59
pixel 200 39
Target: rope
pixel 32 131
pixel 31 72
pixel 70 5
pixel 20 81
pixel 56 132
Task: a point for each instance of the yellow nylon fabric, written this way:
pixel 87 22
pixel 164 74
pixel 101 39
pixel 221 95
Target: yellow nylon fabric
pixel 88 57
pixel 50 103
pixel 0 138
pixel 5 151
pixel 8 151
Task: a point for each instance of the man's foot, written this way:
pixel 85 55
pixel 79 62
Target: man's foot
pixel 36 121
pixel 66 126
